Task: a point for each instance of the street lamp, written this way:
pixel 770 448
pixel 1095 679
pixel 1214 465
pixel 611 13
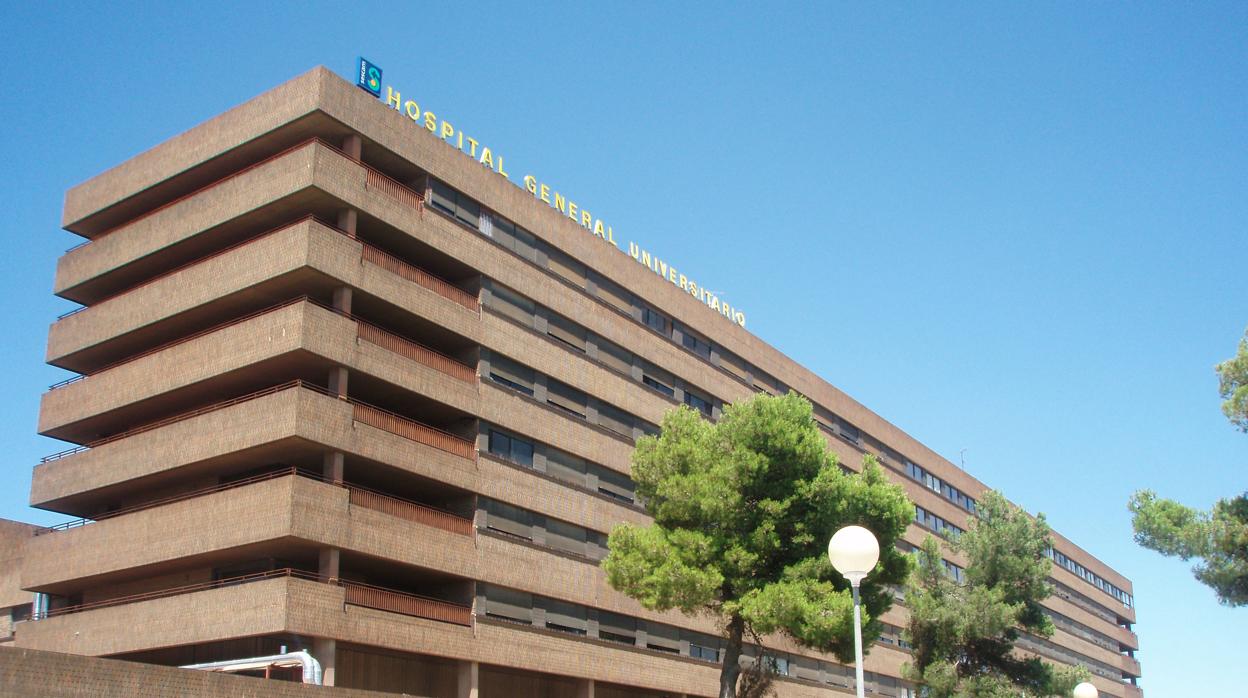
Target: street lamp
pixel 1086 690
pixel 854 551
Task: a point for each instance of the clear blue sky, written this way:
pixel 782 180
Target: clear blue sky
pixel 1015 230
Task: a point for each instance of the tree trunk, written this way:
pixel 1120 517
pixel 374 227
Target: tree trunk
pixel 731 669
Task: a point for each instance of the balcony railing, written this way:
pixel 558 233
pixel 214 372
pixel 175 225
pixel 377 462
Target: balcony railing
pixel 421 277
pixel 77 523
pixel 356 594
pixel 363 412
pixel 392 188
pixel 407 604
pixel 225 250
pixel 413 430
pixel 415 352
pixel 410 511
pixel 177 591
pixel 357 496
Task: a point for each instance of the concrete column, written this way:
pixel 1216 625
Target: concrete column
pixel 352 146
pixel 329 563
pixel 468 680
pixel 342 299
pixel 332 466
pixel 338 381
pixel 347 219
pixel 585 688
pixel 325 650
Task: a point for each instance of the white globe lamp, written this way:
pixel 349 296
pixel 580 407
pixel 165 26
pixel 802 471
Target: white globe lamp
pixel 1086 690
pixel 854 551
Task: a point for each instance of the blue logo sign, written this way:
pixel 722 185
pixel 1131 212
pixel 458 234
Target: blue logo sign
pixel 369 77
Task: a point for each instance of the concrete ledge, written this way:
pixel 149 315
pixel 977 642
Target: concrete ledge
pixel 26 672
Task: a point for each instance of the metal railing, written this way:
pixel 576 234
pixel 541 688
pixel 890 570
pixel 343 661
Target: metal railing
pixel 406 604
pixel 178 591
pixel 357 496
pixel 410 511
pixel 412 430
pixel 421 277
pixel 179 417
pixel 200 260
pixel 394 189
pixel 416 352
pixel 77 523
pixel 363 412
pixel 356 593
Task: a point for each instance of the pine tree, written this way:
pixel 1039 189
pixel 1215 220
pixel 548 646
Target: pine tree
pixel 743 510
pixel 963 633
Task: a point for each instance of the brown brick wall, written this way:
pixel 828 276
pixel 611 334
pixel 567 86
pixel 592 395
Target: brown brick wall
pixel 27 673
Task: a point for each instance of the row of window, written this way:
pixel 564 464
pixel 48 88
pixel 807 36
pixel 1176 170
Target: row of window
pixel 1090 577
pixel 540 253
pixel 930 521
pixel 511 304
pixel 1084 601
pixel 956 572
pixel 561 465
pixel 530 609
pixel 563 397
pixel 940 487
pixel 1053 650
pixel 542 530
pixel 1074 627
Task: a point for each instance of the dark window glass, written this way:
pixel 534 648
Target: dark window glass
pixel 698 403
pixel 699 346
pixel 522 452
pixel 511 448
pixel 655 320
pixel 666 390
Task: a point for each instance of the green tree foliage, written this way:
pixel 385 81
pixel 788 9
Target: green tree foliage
pixel 1233 386
pixel 743 510
pixel 1218 537
pixel 963 634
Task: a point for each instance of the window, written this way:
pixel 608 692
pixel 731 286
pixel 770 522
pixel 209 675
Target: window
pixel 614 356
pixel 848 431
pixel 666 390
pixel 710 654
pixel 617 628
pixel 511 374
pixel 456 204
pixel 565 617
pixel 515 238
pixel 780 665
pixel 566 331
pixel 512 305
pixel 664 638
pixel 565 467
pixel 509 605
pixel 614 294
pixel 511 448
pixel 615 485
pixel 656 320
pixel 566 398
pixel 615 420
pixel 694 343
pixel 734 365
pixel 659 379
pixel 698 402
pixel 566 267
pixel 505 518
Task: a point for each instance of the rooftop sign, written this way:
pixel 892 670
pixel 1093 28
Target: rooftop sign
pixel 369 79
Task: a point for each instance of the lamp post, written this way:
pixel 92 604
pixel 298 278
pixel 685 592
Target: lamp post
pixel 1086 690
pixel 854 551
